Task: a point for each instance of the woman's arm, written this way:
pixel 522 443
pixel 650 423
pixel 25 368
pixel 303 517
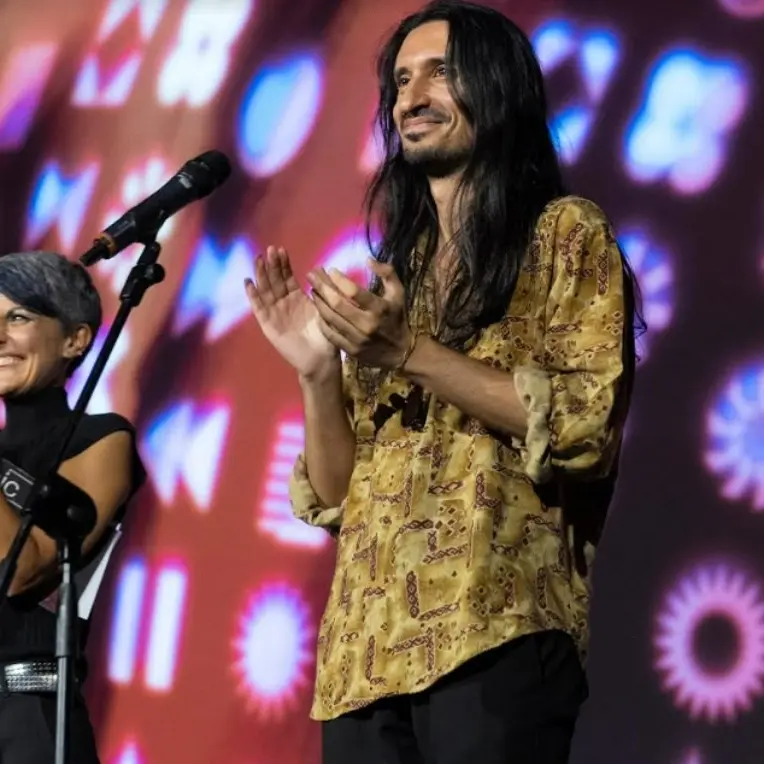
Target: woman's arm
pixel 104 471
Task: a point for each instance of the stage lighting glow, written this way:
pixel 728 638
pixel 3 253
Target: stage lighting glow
pixel 691 756
pixel 692 104
pixel 130 754
pixel 94 89
pixel 167 617
pixel 102 401
pixel 570 129
pixel 185 443
pixel 655 273
pixel 599 55
pixel 22 84
pixel 146 13
pixel 373 151
pixel 60 200
pixel 554 41
pixel 273 649
pixel 148 604
pixel 127 607
pixel 278 113
pixel 101 81
pixel 744 9
pixel 198 64
pixel 596 54
pixel 140 181
pixel 275 516
pixel 735 437
pixel 212 289
pixel 709 592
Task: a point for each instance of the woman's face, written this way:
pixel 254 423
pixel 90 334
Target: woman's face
pixel 35 350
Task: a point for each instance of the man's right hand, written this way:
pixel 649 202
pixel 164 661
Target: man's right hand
pixel 288 317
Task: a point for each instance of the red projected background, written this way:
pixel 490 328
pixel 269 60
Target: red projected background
pixel 202 649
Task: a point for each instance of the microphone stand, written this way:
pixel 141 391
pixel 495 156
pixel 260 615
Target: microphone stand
pixel 79 520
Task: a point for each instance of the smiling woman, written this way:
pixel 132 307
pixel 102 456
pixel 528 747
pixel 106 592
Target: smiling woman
pixel 49 314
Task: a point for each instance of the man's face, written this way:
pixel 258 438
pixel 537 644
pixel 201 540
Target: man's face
pixel 435 134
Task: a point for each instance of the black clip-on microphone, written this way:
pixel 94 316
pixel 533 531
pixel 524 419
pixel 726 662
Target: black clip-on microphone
pixel 61 509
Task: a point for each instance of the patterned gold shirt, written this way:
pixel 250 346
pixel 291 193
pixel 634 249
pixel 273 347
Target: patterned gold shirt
pixel 453 539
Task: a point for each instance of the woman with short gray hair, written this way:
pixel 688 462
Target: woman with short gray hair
pixel 50 314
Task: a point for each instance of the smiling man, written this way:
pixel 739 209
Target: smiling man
pixel 465 451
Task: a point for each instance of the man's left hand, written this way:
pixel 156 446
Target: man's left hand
pixel 371 328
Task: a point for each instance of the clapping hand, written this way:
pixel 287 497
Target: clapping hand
pixel 371 328
pixel 289 318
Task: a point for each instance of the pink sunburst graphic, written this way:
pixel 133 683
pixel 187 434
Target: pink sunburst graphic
pixel 712 592
pixel 735 437
pixel 130 754
pixel 692 757
pixel 273 649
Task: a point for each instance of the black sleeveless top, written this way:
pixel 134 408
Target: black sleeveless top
pixel 34 429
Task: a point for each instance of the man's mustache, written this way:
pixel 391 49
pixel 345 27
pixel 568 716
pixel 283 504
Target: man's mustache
pixel 432 114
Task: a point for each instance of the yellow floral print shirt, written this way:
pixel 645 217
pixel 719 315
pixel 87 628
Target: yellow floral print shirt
pixel 452 539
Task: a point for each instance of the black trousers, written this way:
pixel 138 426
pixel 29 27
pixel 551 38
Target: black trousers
pixel 516 704
pixel 28 730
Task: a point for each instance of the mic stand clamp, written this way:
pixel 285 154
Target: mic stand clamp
pixel 73 525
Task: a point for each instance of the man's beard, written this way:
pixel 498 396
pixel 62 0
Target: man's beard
pixel 435 161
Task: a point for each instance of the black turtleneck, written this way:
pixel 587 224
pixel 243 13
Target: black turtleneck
pixel 35 425
pixel 27 411
pixel 34 428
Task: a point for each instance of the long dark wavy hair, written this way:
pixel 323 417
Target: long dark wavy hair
pixel 512 173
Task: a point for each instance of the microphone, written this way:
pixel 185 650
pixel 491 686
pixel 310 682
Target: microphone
pixel 197 178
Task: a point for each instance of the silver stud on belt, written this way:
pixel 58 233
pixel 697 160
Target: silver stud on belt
pixel 31 676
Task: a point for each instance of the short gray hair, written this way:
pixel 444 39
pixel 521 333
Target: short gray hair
pixel 49 284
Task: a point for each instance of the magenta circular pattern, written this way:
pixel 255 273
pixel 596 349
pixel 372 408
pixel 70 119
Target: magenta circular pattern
pixel 712 591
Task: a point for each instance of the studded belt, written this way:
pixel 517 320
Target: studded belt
pixel 29 676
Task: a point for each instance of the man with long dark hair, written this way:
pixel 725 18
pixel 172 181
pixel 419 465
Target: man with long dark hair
pixel 465 451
